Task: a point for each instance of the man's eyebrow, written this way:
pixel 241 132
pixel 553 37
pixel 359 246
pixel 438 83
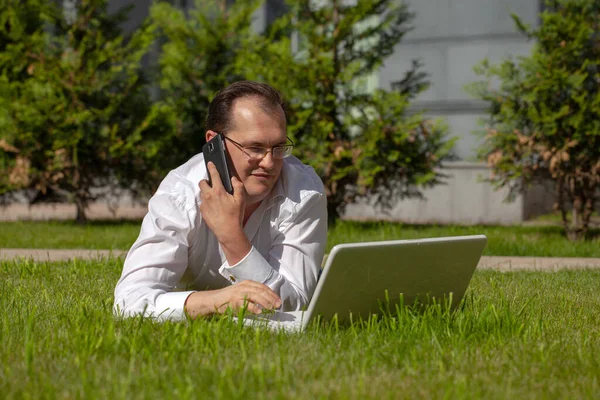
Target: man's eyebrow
pixel 254 144
pixel 259 144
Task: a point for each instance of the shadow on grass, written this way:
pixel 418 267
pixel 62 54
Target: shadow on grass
pixel 593 235
pixel 111 222
pixel 373 225
pixel 92 222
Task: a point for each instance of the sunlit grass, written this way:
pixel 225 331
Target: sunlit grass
pixel 109 235
pixel 502 240
pixel 522 335
pixel 541 241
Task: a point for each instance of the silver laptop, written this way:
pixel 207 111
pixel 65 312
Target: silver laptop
pixel 358 278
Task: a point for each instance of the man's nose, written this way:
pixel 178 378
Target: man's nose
pixel 267 161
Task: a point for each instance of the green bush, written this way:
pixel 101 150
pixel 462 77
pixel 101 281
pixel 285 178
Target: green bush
pixel 79 115
pixel 199 55
pixel 545 113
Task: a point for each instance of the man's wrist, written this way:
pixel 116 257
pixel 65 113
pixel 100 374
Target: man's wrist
pixel 200 304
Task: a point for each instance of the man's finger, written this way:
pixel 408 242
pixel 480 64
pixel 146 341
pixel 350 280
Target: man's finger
pixel 267 294
pixel 215 178
pixel 272 301
pixel 238 305
pixel 238 189
pixel 261 299
pixel 203 185
pixel 253 308
pixel 257 287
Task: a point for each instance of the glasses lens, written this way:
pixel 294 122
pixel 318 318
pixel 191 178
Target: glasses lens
pixel 282 151
pixel 256 152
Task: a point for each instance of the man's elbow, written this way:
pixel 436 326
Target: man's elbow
pixel 129 305
pixel 122 310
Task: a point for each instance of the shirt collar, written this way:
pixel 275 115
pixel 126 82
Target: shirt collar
pixel 277 195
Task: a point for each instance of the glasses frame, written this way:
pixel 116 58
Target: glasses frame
pixel 267 150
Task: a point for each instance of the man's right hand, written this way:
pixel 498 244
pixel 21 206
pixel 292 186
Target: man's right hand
pixel 256 295
pixel 223 213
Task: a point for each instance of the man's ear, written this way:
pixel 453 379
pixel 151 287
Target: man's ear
pixel 210 134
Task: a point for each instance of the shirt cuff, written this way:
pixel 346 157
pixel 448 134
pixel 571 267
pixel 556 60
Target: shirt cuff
pixel 252 267
pixel 170 305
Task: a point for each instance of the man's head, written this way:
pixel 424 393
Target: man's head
pixel 250 115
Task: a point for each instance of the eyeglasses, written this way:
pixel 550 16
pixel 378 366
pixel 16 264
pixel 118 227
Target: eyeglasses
pixel 258 153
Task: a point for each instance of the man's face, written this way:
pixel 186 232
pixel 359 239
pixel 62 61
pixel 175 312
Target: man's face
pixel 253 127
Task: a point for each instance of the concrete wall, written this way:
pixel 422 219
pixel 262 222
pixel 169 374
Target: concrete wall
pixel 139 11
pixel 450 38
pixel 541 196
pixel 465 199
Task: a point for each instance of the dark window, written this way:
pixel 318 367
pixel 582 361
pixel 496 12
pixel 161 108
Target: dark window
pixel 275 9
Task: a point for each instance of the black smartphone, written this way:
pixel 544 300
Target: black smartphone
pixel 214 150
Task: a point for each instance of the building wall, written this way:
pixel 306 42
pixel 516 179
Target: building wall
pixel 139 11
pixel 464 199
pixel 450 37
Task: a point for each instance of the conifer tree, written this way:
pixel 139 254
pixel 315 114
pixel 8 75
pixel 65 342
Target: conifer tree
pixel 200 52
pixel 544 120
pixel 76 114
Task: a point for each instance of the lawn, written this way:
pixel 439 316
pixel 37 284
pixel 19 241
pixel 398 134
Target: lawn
pixel 523 335
pixel 503 240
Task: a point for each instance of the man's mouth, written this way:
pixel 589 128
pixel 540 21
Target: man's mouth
pixel 262 176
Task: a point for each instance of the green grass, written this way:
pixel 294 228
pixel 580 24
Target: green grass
pixel 521 335
pixel 540 241
pixel 110 235
pixel 555 217
pixel 503 240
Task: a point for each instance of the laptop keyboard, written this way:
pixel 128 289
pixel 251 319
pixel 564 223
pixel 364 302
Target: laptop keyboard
pixel 288 321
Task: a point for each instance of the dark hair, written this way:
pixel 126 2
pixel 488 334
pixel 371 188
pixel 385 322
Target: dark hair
pixel 219 110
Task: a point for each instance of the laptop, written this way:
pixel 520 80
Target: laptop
pixel 358 278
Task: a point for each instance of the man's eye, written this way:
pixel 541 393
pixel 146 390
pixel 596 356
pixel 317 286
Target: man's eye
pixel 256 150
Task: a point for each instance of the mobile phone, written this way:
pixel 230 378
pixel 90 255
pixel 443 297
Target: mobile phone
pixel 214 150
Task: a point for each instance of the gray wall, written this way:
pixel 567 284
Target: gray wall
pixel 450 37
pixel 465 199
pixel 138 13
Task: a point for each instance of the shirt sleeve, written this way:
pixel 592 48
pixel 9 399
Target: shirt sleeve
pixel 294 258
pixel 157 260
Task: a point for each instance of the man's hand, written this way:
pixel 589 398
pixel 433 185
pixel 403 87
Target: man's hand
pixel 256 295
pixel 224 214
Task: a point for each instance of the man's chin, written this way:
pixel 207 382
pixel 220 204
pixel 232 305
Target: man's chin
pixel 257 193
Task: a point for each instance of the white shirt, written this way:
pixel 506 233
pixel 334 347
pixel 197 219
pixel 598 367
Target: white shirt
pixel 176 253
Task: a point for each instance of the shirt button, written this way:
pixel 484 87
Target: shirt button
pixel 232 278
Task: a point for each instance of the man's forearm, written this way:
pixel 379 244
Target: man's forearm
pixel 235 245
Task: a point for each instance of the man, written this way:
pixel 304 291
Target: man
pixel 202 250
